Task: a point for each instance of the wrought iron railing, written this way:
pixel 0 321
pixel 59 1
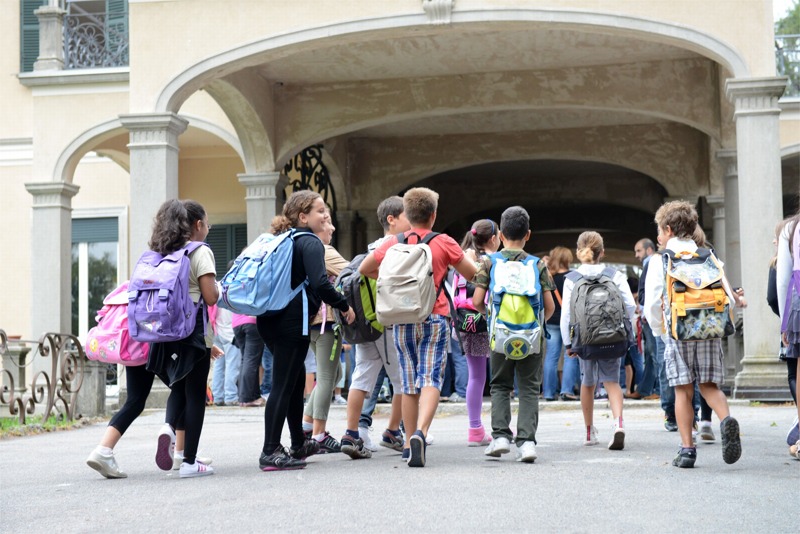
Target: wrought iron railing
pixel 56 390
pixel 306 170
pixel 787 57
pixel 95 40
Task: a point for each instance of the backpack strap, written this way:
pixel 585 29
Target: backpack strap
pixel 609 272
pixel 574 276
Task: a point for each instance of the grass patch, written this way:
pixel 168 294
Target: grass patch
pixel 36 424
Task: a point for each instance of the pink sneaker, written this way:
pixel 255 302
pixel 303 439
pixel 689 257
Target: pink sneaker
pixel 478 437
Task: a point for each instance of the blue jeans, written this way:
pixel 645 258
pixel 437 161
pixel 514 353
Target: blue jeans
pixel 266 363
pixel 648 382
pixel 365 421
pixel 668 392
pixel 226 372
pixel 456 373
pixel 553 349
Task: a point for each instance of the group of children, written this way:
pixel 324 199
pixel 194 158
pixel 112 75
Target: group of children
pixel 414 355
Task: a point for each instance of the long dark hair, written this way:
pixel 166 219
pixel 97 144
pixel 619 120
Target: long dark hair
pixel 173 225
pixel 480 234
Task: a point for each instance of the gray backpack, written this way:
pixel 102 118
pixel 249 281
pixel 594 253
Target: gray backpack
pixel 599 328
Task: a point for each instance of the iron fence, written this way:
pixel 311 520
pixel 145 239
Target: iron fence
pixel 95 40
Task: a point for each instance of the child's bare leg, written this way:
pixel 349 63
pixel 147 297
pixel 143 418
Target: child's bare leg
pixel 410 413
pixel 587 404
pixel 110 438
pixel 355 403
pixel 684 413
pixel 715 398
pixel 614 399
pixel 397 412
pixel 180 437
pixel 428 402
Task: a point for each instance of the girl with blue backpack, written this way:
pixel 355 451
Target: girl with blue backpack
pixel 482 239
pixel 282 331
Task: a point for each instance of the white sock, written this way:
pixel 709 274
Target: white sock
pixel 179 454
pixel 307 427
pixel 104 451
pixel 319 437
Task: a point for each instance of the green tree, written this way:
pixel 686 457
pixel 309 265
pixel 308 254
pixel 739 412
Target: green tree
pixel 787 48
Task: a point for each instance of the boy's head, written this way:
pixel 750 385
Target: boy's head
pixel 515 223
pixel 678 217
pixel 391 215
pixel 419 205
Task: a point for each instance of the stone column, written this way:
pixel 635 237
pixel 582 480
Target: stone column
pixel 264 200
pixel 374 229
pixel 717 204
pixel 153 171
pixel 346 238
pixel 51 38
pixel 762 376
pixel 51 257
pixel 733 256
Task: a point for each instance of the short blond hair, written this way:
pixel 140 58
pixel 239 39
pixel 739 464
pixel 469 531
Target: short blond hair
pixel 680 216
pixel 419 204
pixel 560 257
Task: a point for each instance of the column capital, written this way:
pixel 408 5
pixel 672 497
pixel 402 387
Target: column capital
pixel 717 203
pixel 52 194
pixel 438 11
pixel 728 158
pixel 263 185
pixel 755 96
pixel 150 130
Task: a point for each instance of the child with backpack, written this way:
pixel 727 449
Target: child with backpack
pixel 596 316
pixel 520 301
pixel 688 303
pixel 411 268
pixel 326 343
pixel 372 355
pixel 179 231
pixel 482 239
pixel 286 334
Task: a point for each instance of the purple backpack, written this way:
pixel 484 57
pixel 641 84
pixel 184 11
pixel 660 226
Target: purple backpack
pixel 159 306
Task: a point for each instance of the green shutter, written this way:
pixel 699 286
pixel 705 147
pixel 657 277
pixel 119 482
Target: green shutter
pixel 29 33
pixel 98 230
pixel 226 242
pixel 117 30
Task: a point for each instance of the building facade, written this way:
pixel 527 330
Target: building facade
pixel 590 114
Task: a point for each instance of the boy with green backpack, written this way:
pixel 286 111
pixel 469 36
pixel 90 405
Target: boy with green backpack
pixel 520 300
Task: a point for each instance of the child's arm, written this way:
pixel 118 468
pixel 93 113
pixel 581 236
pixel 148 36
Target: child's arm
pixel 478 299
pixel 549 305
pixel 565 313
pixel 369 267
pixel 466 268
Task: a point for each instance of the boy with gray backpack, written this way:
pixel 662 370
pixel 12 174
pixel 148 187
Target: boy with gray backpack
pixel 596 317
pixel 411 268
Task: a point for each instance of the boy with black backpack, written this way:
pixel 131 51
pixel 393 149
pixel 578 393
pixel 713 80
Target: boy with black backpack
pixel 411 268
pixel 375 345
pixel 689 304
pixel 596 317
pixel 520 300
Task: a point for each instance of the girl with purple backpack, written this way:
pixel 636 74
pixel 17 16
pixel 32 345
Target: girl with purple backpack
pixel 177 222
pixel 483 238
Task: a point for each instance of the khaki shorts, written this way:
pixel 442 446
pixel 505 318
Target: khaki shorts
pixel 370 357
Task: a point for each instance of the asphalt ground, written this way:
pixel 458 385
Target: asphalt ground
pixel 45 485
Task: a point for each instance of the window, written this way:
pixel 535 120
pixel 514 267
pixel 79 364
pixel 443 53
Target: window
pixel 95 258
pixel 29 33
pixel 226 241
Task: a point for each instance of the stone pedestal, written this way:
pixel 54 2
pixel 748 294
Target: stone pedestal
pixel 763 376
pixel 92 395
pixel 14 362
pixel 51 38
pixel 264 200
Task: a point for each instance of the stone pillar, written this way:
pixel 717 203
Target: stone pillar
pixel 153 171
pixel 51 38
pixel 717 239
pixel 733 256
pixel 264 200
pixel 346 237
pixel 374 229
pixel 51 257
pixel 762 376
pixel 92 395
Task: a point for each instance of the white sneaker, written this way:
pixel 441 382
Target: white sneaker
pixel 105 465
pixel 197 469
pixel 363 433
pixel 429 439
pixel 498 447
pixel 526 452
pixel 177 460
pixel 338 399
pixel 591 436
pixel 617 442
pixel 166 448
pixel 706 433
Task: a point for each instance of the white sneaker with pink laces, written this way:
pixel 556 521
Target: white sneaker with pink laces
pixel 197 469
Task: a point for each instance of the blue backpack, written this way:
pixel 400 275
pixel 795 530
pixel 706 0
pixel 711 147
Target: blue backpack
pixel 160 309
pixel 515 326
pixel 260 280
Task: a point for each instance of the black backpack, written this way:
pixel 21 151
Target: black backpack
pixel 359 291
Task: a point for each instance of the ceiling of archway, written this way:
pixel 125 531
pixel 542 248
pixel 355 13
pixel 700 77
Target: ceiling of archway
pixel 463 51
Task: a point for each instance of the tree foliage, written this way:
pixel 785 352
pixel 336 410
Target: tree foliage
pixel 787 49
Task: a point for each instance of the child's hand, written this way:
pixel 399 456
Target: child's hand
pixel 216 352
pixel 738 295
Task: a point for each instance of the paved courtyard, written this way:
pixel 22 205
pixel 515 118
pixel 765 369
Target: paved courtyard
pixel 45 485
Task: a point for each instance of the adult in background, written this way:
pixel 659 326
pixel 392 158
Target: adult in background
pixel 559 260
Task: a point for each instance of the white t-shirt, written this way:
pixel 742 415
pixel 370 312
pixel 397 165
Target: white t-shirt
pixel 201 262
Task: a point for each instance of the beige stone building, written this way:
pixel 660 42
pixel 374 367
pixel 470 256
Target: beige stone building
pixel 590 113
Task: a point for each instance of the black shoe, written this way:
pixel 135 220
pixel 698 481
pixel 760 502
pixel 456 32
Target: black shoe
pixel 417 447
pixel 568 397
pixel 279 460
pixel 328 445
pixel 354 448
pixel 310 447
pixel 731 444
pixel 685 458
pixel 670 424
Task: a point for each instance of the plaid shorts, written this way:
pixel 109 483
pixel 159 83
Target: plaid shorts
pixel 687 361
pixel 421 350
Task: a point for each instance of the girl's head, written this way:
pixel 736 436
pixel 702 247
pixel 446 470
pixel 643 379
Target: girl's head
pixel 484 236
pixel 326 233
pixel 176 222
pixel 560 258
pixel 303 209
pixel 590 247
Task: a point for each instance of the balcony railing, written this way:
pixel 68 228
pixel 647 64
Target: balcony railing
pixel 95 40
pixel 787 57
